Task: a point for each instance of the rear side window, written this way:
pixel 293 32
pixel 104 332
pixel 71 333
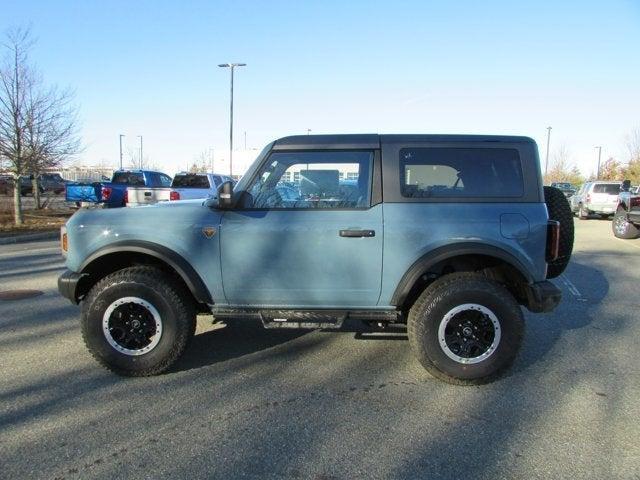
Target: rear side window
pixel 608 188
pixel 190 181
pixel 460 172
pixel 129 178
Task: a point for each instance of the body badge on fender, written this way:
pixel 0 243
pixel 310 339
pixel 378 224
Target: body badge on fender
pixel 209 231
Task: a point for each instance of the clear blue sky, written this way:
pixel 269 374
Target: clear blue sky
pixel 149 67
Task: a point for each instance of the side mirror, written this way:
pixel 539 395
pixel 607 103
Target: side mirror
pixel 626 185
pixel 225 194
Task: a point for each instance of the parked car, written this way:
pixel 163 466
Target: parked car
pixel 455 236
pixel 626 221
pixel 112 194
pixel 186 186
pixel 565 188
pixel 6 185
pixel 596 197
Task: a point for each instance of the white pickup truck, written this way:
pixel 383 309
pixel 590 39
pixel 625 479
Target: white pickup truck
pixel 188 186
pixel 185 186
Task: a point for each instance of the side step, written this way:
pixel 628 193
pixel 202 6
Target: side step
pixel 302 319
pixel 307 319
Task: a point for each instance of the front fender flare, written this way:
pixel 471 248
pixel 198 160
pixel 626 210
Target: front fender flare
pixel 176 261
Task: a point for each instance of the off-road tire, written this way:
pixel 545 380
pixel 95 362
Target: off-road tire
pixel 622 228
pixel 560 210
pixel 170 299
pixel 445 294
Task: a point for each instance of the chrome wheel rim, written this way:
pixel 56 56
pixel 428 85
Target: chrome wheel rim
pixel 620 224
pixel 132 326
pixel 469 333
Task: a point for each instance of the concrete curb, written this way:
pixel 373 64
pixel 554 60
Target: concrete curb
pixel 29 237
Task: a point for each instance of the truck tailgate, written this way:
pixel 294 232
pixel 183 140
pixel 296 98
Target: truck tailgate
pixel 194 193
pixel 137 196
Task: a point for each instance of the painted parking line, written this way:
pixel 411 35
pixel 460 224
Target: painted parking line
pixel 572 288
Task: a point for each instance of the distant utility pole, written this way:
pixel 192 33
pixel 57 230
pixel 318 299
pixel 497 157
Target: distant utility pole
pixel 140 137
pixel 546 162
pixel 232 66
pixel 121 135
pixel 245 140
pixel 308 131
pixel 599 147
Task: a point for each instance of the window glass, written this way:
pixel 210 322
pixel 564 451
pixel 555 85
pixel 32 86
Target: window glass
pixel 460 172
pixel 217 180
pixel 165 180
pixel 608 188
pixel 190 180
pixel 129 178
pixel 311 180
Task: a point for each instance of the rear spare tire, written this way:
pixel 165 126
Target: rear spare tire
pixel 560 210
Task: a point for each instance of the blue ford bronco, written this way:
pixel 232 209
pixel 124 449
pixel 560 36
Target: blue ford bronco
pixel 449 234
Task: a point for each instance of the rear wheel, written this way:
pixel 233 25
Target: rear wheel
pixel 465 329
pixel 137 321
pixel 621 226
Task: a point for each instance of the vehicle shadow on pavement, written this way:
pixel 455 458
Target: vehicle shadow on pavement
pixel 576 311
pixel 233 340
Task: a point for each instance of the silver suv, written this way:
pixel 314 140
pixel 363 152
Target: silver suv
pixel 597 197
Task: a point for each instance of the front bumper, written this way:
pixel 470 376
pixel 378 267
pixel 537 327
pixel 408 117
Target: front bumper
pixel 543 297
pixel 68 283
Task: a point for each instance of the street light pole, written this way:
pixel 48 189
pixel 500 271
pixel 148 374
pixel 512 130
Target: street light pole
pixel 140 137
pixel 546 162
pixel 599 155
pixel 121 135
pixel 232 66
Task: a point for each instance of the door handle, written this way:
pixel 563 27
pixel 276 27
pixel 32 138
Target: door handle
pixel 147 194
pixel 357 233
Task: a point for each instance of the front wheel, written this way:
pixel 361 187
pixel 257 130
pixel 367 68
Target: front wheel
pixel 137 321
pixel 621 226
pixel 465 329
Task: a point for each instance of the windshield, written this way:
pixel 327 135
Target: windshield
pixel 243 183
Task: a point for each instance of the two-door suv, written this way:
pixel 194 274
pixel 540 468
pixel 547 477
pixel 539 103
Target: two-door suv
pixel 449 234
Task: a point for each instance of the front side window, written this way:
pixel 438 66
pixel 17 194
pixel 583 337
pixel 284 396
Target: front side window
pixel 460 172
pixel 312 180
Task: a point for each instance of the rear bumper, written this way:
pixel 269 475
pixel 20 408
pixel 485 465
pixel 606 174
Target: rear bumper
pixel 607 208
pixel 68 283
pixel 543 296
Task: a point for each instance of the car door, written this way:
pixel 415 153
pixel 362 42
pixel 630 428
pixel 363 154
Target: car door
pixel 304 234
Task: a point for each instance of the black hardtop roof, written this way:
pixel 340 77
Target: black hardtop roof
pixel 374 140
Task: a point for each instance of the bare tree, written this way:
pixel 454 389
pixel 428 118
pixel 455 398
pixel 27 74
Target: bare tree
pixel 632 140
pixel 38 127
pixel 51 132
pixel 16 81
pixel 562 168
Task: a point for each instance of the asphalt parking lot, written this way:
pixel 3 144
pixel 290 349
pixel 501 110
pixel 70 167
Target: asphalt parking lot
pixel 251 403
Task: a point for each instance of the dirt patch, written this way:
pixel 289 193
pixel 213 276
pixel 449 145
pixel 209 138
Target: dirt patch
pixel 35 221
